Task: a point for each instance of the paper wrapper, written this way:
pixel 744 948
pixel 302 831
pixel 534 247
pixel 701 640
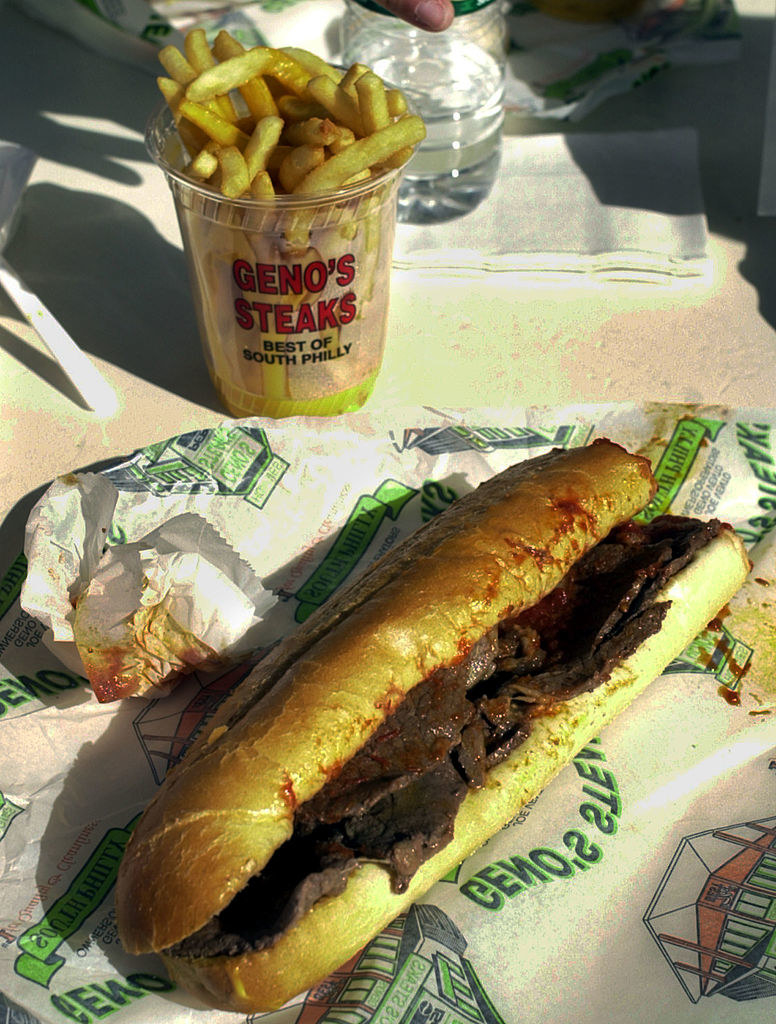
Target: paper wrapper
pixel 135 616
pixel 564 69
pixel 638 886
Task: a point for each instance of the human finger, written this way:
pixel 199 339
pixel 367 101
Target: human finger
pixel 432 15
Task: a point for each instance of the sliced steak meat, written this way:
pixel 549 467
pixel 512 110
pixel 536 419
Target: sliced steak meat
pixel 418 735
pixel 395 802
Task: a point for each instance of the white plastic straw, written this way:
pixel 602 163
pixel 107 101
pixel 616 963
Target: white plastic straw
pixel 84 376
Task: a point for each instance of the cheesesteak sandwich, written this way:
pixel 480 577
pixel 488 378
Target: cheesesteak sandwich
pixel 410 718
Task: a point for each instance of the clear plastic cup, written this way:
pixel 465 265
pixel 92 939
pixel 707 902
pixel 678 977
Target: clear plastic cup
pixel 291 292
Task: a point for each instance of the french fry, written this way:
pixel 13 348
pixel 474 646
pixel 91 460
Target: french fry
pixel 192 137
pixel 346 138
pixel 261 186
pixel 376 148
pixel 234 172
pixel 314 131
pixel 397 102
pixel 276 158
pixel 232 73
pixel 261 144
pixel 259 99
pixel 297 229
pixel 289 72
pixel 359 176
pixel 293 108
pixel 255 92
pixel 312 63
pixel 298 164
pixel 201 59
pixel 176 65
pixel 225 46
pixel 221 131
pixel 172 91
pixel 342 107
pixel 205 164
pixel 308 126
pixel 372 102
pixel 197 50
pixel 397 159
pixel 351 76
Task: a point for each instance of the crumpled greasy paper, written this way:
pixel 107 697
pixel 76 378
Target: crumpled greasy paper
pixel 140 614
pixel 64 539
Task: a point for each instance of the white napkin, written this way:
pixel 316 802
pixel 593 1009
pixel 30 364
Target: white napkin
pixel 621 205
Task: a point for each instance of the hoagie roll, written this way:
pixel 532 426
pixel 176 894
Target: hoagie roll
pixel 410 718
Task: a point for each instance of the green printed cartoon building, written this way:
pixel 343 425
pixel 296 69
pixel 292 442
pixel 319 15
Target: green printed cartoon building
pixel 414 972
pixel 715 651
pixel 231 459
pixel 721 939
pixel 165 728
pixel 464 438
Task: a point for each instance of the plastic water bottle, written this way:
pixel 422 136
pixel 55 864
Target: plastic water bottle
pixel 455 81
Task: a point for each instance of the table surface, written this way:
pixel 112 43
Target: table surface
pixel 97 239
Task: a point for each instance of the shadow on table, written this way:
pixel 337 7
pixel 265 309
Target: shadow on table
pixel 725 105
pixel 35 359
pixel 110 277
pixel 118 287
pixel 728 103
pixel 759 268
pixel 629 173
pixel 65 109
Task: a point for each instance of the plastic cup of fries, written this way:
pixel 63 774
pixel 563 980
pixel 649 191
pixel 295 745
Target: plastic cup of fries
pixel 284 172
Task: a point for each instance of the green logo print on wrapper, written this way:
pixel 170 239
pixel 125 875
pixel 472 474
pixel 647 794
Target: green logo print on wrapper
pixel 502 880
pixel 414 972
pixel 715 651
pixel 39 960
pixel 135 17
pixel 355 537
pixel 11 583
pixel 228 459
pixel 676 462
pixel 8 811
pixel 276 6
pixel 462 438
pixel 351 544
pixel 755 441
